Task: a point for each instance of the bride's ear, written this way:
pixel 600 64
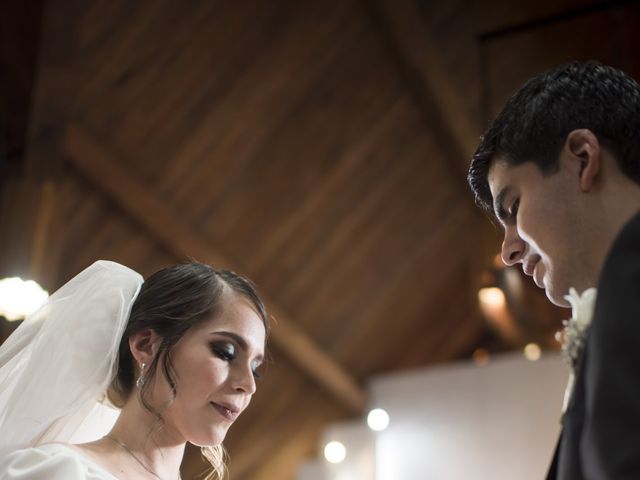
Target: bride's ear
pixel 144 345
pixel 584 151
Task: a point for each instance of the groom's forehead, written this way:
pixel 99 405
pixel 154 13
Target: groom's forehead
pixel 502 173
pixel 499 177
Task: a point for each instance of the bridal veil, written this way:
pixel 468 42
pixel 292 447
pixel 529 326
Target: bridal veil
pixel 56 367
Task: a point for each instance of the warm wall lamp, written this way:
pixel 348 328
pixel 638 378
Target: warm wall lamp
pixel 19 298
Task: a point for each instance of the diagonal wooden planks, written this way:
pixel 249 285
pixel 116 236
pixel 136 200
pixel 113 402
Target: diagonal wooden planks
pixel 417 58
pixel 181 239
pixel 41 251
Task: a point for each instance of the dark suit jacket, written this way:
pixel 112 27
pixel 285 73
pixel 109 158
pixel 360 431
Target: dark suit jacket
pixel 601 427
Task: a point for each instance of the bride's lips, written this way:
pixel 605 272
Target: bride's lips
pixel 228 412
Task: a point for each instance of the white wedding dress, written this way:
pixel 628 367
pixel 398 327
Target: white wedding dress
pixel 52 461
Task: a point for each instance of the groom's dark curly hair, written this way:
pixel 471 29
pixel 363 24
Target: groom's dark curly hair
pixel 535 122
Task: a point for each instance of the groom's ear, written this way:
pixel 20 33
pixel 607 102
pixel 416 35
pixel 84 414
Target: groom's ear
pixel 583 148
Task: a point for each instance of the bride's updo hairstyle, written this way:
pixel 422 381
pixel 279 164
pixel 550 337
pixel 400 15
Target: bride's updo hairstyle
pixel 170 302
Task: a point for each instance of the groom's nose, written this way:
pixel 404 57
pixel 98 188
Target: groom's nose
pixel 513 247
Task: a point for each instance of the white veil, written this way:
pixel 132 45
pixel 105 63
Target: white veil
pixel 56 367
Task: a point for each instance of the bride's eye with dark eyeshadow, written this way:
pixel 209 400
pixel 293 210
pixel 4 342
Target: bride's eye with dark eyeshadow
pixel 224 350
pixel 256 372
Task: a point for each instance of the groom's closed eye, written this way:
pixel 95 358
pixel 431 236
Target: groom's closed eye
pixel 498 206
pixel 513 210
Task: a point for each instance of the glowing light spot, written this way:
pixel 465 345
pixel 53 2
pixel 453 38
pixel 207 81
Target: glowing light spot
pixel 19 298
pixel 378 419
pixel 335 452
pixel 492 297
pixel 532 352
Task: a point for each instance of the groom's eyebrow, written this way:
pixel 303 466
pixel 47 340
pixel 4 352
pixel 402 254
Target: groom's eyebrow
pixel 498 203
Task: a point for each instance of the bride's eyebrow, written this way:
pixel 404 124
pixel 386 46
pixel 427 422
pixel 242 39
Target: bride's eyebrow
pixel 238 339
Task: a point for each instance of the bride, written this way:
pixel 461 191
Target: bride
pixel 177 354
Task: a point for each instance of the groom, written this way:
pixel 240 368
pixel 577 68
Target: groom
pixel 560 170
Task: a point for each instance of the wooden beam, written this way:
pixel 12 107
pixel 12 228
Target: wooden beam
pixel 41 249
pixel 398 21
pixel 181 239
pixel 421 66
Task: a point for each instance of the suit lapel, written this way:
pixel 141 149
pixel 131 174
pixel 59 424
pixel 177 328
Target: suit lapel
pixel 552 474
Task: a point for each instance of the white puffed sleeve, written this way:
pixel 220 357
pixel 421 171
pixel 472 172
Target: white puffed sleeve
pixel 50 462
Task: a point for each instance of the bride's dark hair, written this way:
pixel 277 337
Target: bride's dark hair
pixel 170 302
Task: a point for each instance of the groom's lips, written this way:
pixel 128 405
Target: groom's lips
pixel 529 266
pixel 538 282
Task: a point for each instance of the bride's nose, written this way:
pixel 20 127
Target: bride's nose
pixel 244 380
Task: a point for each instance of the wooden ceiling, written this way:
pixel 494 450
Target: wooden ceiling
pixel 318 147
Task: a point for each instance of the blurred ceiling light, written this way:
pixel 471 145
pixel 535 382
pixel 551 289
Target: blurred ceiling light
pixel 492 297
pixel 493 305
pixel 481 357
pixel 378 419
pixel 335 452
pixel 19 298
pixel 532 352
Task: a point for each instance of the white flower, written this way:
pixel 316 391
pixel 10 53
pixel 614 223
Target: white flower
pixel 574 335
pixel 575 330
pixel 582 306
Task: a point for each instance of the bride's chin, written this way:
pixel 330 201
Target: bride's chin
pixel 212 438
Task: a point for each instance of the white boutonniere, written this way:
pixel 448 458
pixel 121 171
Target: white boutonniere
pixel 574 335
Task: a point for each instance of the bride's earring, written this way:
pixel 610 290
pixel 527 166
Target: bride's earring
pixel 140 381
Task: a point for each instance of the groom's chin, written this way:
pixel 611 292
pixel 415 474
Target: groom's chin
pixel 555 297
